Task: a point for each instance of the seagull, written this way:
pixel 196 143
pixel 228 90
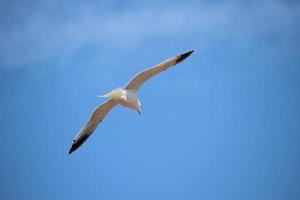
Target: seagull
pixel 125 96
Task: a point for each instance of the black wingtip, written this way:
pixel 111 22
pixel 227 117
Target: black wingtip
pixel 184 56
pixel 77 143
pixel 72 149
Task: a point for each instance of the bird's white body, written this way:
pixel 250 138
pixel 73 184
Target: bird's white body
pixel 125 97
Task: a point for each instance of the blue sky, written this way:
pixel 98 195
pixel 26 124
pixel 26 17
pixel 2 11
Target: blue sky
pixel 224 124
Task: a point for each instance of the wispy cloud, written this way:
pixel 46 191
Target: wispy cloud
pixel 51 31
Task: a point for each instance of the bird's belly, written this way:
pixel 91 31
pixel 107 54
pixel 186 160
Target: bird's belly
pixel 126 103
pixel 127 99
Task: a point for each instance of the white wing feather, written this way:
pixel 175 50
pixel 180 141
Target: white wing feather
pixel 136 82
pixel 98 115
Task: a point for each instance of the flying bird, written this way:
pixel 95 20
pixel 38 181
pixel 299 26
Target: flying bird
pixel 125 96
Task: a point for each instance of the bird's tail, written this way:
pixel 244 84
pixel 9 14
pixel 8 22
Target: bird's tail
pixel 115 93
pixel 103 96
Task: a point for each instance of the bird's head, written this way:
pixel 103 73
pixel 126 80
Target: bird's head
pixel 139 110
pixel 137 107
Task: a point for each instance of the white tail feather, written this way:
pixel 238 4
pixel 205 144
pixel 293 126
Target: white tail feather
pixel 103 96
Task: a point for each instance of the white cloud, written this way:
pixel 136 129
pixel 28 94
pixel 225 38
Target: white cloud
pixel 43 34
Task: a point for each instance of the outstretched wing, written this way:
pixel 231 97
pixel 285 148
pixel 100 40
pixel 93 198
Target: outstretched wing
pixel 99 113
pixel 136 82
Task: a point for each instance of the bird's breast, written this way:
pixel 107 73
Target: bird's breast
pixel 127 99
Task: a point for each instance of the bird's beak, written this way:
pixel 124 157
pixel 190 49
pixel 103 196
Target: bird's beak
pixel 140 113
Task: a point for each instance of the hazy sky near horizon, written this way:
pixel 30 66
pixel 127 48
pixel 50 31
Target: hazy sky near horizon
pixel 224 124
